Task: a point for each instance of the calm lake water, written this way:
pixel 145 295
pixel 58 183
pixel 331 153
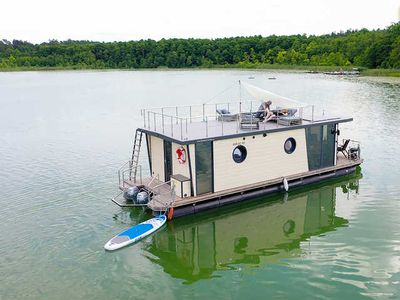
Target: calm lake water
pixel 63 135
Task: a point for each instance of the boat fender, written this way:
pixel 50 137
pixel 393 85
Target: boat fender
pixel 285 184
pixel 170 213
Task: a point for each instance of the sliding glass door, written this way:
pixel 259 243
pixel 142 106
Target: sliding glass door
pixel 204 168
pixel 321 146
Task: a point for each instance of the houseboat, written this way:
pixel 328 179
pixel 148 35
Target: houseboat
pixel 201 157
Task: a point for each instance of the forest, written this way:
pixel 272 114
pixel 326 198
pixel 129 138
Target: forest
pixel 372 49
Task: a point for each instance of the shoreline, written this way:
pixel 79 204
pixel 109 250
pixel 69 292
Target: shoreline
pixel 260 67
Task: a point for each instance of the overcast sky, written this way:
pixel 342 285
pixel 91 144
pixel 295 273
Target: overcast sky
pixel 122 20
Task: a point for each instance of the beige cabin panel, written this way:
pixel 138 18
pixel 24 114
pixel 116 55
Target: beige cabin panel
pixel 266 159
pixel 177 167
pixel 157 157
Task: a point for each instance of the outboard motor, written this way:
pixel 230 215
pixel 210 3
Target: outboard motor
pixel 131 193
pixel 142 198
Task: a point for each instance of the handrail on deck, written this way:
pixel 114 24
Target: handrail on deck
pixel 174 120
pixel 121 175
pixel 166 205
pixel 120 170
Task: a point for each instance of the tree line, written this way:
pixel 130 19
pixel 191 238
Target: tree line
pixel 362 48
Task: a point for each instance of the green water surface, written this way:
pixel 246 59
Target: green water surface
pixel 63 136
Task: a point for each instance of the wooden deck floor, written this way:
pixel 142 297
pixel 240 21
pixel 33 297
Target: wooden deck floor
pixel 163 198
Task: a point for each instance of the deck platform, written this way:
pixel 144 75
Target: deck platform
pixel 162 195
pixel 163 198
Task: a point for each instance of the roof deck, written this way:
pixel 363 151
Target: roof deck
pixel 201 122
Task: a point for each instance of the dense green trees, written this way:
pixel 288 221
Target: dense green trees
pixel 371 49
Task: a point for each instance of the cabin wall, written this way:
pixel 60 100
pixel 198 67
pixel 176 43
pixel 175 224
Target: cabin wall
pixel 157 157
pixel 178 168
pixel 266 159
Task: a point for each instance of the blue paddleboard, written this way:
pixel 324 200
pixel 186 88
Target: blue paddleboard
pixel 135 233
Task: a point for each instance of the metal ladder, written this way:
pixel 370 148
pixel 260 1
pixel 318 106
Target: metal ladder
pixel 135 155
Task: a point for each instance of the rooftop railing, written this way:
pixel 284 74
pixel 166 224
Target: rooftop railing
pixel 176 121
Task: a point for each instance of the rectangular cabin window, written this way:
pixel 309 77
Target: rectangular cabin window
pixel 204 167
pixel 320 146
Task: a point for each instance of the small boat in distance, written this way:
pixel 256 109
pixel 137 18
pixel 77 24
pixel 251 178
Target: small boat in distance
pixel 206 156
pixel 343 73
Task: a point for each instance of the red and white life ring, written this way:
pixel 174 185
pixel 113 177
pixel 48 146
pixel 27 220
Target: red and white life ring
pixel 181 155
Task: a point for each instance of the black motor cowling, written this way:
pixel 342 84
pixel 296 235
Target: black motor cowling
pixel 142 198
pixel 131 193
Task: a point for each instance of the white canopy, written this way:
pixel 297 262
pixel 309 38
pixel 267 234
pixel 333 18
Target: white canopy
pixel 277 100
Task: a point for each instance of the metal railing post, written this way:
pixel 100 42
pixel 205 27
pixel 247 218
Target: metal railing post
pixel 222 125
pixel 251 116
pixel 181 130
pixel 186 127
pixel 203 112
pixel 172 126
pixel 148 119
pixel 190 113
pixel 162 119
pixel 140 174
pixel 206 126
pixel 176 113
pixel 312 114
pixel 155 127
pixel 144 118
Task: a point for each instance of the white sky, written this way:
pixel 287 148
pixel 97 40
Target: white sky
pixel 122 20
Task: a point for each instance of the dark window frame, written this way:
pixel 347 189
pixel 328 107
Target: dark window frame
pixel 292 148
pixel 243 155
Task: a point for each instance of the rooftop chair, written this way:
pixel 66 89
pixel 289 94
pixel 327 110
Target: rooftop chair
pixel 250 120
pixel 343 148
pixel 287 119
pixel 225 116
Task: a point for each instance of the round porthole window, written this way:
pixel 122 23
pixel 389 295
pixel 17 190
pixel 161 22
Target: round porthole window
pixel 290 145
pixel 239 154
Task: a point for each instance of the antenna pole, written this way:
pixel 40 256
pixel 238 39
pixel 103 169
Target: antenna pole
pixel 240 91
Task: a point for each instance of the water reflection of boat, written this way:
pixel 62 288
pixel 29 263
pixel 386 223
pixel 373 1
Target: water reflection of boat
pixel 253 234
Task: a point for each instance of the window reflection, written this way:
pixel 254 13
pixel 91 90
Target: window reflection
pixel 239 154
